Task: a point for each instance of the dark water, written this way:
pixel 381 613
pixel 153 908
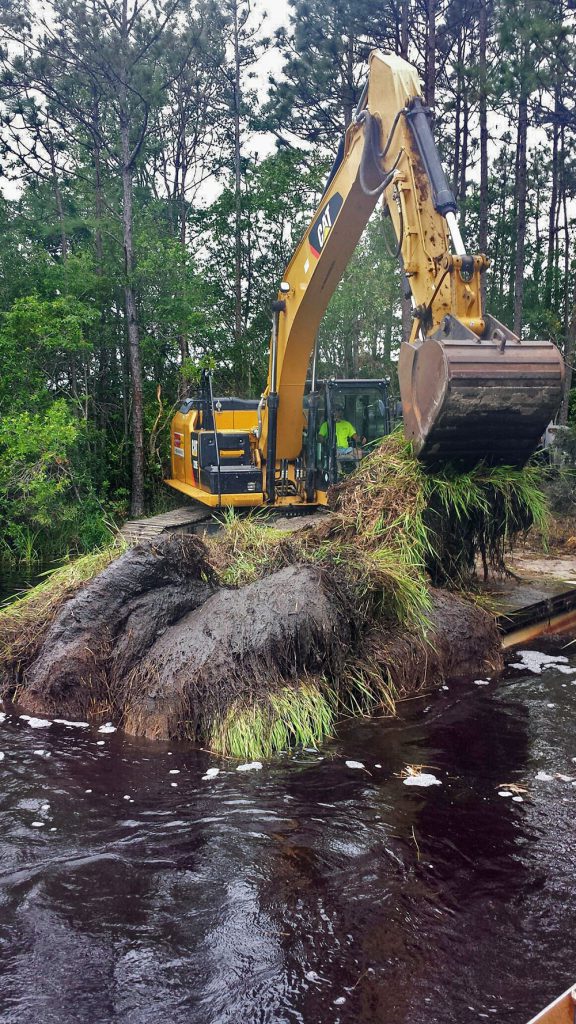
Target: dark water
pixel 17 578
pixel 305 892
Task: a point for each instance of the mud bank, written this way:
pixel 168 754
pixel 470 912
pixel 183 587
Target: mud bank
pixel 260 639
pixel 156 642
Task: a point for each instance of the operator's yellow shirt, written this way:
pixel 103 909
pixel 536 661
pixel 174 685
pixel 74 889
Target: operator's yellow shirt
pixel 344 430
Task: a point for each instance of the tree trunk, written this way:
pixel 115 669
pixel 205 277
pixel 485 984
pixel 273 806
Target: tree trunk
pixel 483 113
pixel 349 105
pixel 101 413
pixel 569 320
pixel 238 206
pixel 406 317
pixel 464 160
pixel 569 356
pixel 430 84
pixel 519 268
pixel 404 29
pixel 137 502
pixel 550 260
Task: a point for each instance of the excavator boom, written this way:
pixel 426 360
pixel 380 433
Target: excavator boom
pixel 471 390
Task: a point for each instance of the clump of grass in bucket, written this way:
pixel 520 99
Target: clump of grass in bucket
pixel 292 716
pixel 440 521
pixel 25 620
pixel 479 514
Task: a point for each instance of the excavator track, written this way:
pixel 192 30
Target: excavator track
pixel 471 399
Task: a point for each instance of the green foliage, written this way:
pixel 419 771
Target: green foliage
pixel 47 502
pixel 63 331
pixel 38 337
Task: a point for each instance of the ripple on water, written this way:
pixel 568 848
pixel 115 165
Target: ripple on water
pixel 306 891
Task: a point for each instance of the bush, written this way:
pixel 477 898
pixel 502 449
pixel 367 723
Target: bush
pixel 47 503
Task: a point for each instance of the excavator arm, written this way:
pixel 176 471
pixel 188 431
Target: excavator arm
pixel 470 388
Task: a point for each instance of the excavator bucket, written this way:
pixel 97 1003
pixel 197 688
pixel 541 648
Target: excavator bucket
pixel 467 398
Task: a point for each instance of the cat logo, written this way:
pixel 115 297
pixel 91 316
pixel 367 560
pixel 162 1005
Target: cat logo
pixel 324 223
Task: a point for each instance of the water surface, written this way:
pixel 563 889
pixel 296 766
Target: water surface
pixel 307 891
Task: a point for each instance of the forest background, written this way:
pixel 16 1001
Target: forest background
pixel 156 179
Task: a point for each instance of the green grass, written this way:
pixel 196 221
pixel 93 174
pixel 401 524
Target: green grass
pixel 25 619
pixel 299 716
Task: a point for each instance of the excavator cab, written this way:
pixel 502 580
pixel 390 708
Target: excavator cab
pixel 345 420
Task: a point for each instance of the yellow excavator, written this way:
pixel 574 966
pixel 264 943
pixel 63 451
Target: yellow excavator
pixel 471 390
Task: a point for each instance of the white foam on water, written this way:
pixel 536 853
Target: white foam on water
pixel 108 727
pixel 174 771
pixel 100 743
pixel 518 799
pixel 174 784
pixel 543 777
pixel 2 717
pixel 37 824
pixel 36 723
pixel 536 662
pixel 504 792
pixel 251 766
pixel 565 778
pixel 73 725
pixel 354 764
pixel 424 779
pixel 211 773
pixel 481 682
pixel 1 756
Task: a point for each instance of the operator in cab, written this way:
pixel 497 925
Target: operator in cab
pixel 346 433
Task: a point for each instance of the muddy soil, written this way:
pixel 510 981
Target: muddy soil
pixel 154 641
pixel 104 630
pixel 239 645
pixel 463 641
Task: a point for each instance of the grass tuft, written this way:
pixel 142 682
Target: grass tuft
pixel 24 622
pixel 291 716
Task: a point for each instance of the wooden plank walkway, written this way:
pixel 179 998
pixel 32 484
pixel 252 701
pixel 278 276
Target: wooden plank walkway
pixel 179 520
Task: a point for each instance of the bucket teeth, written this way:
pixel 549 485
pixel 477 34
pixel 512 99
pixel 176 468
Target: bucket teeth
pixel 469 401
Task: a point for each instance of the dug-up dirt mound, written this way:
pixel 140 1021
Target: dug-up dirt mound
pixel 156 643
pixel 236 648
pixel 99 633
pixel 263 637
